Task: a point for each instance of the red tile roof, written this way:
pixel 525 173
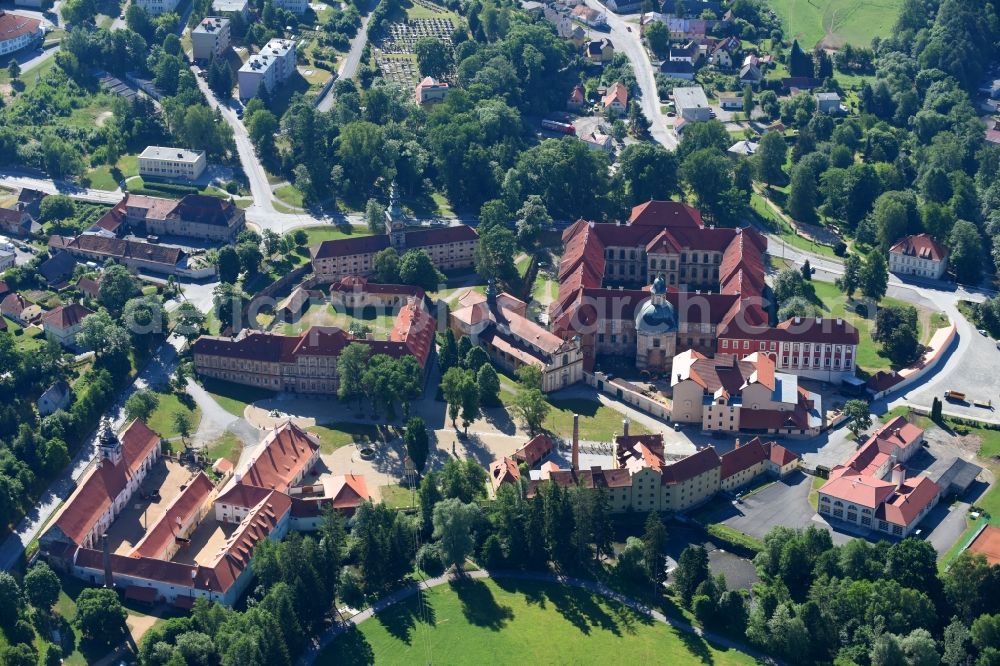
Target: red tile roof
pixel 534 450
pixel 502 471
pixel 693 466
pixel 356 284
pixel 349 491
pixel 181 509
pixel 66 316
pixel 105 482
pixel 922 246
pixel 779 455
pixel 13 26
pixel 285 453
pixel 743 457
pixel 345 247
pixel 617 93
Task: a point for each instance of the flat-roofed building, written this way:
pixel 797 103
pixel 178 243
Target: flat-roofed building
pixel 166 162
pixel 210 38
pixel 692 104
pixel 272 66
pixel 297 7
pixel 231 7
pixel 157 7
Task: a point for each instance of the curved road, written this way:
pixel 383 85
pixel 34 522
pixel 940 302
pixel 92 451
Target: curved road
pixel 601 589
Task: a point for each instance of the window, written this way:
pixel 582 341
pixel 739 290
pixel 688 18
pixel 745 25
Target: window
pixel 725 344
pixel 746 344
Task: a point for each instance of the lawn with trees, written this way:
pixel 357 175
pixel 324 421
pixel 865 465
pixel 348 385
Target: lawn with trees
pixel 510 621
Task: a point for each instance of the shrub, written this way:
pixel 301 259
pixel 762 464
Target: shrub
pixel 429 560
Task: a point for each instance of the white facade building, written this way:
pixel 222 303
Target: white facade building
pixel 918 255
pixel 231 7
pixel 294 6
pixel 210 38
pixel 166 162
pixel 157 7
pixel 272 66
pixel 18 32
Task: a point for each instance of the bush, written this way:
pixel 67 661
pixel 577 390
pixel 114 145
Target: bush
pixel 429 560
pixel 840 249
pixel 232 187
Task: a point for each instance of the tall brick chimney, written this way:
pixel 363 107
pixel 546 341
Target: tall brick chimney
pixel 576 442
pixel 109 581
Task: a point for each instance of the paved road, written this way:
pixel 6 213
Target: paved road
pixel 349 67
pixel 625 38
pixel 591 586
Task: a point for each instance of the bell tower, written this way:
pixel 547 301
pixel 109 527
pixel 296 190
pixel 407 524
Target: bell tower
pixel 395 221
pixel 108 444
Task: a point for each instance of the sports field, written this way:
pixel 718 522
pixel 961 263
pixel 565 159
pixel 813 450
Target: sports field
pixel 518 622
pixel 834 23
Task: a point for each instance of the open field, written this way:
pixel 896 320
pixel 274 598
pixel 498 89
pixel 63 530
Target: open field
pixel 326 232
pixel 836 22
pixel 518 622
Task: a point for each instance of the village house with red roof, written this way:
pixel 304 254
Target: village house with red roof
pixel 62 323
pixel 871 489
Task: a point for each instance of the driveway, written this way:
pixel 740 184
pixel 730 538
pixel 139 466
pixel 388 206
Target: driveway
pixel 782 503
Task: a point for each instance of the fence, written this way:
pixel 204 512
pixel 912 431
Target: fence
pixel 628 394
pixel 939 345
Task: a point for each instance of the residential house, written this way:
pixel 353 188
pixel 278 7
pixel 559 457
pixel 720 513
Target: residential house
pixel 796 84
pixel 55 397
pixel 598 51
pixel 723 53
pixel 430 90
pixel 689 53
pixel 828 102
pixel 616 99
pixel 30 200
pixel 750 75
pixel 16 308
pixel 57 269
pixel 624 6
pixel 577 99
pixel 62 323
pixel 534 451
pixel 591 17
pixel 743 148
pixel 16 222
pixel 677 70
pixel 503 470
pixel 731 101
pixel 597 140
pixel 683 29
pixel 918 255
pixel 89 287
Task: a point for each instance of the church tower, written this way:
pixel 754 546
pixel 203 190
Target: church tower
pixel 108 444
pixel 395 221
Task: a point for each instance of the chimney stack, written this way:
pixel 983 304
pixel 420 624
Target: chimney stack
pixel 625 427
pixel 108 579
pixel 737 442
pixel 898 476
pixel 576 442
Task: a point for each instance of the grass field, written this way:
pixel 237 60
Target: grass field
pixel 161 421
pixel 836 22
pixel 233 398
pixel 327 232
pixel 228 446
pixel 335 435
pixel 835 304
pixel 517 622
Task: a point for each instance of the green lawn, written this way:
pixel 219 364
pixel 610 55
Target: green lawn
pixel 327 232
pixel 103 178
pixel 161 421
pixel 518 622
pixel 399 497
pixel 836 22
pixel 320 314
pixel 597 422
pixel 835 304
pixel 335 435
pixel 784 230
pixel 234 398
pixel 228 446
pixel 289 194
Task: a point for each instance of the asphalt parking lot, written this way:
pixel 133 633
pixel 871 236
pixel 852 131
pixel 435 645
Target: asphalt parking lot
pixel 784 502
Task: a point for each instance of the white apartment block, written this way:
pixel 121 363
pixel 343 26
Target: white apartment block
pixel 231 7
pixel 165 162
pixel 273 65
pixel 210 38
pixel 157 7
